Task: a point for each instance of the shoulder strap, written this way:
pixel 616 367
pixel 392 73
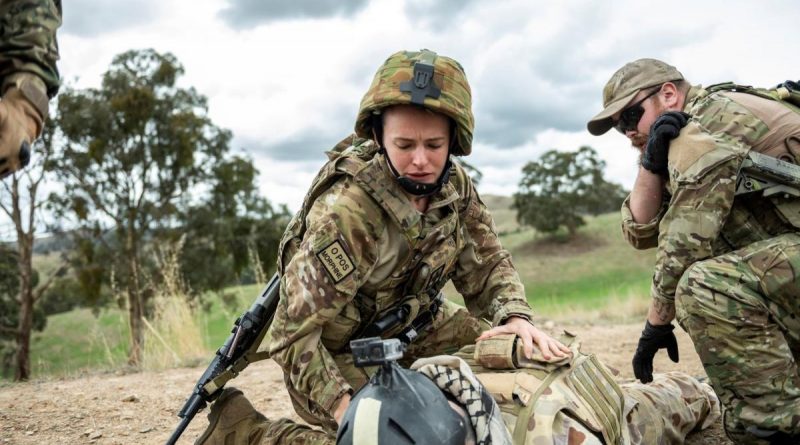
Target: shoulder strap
pixel 789 98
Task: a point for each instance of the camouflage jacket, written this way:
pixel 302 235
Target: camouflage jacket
pixel 358 247
pixel 700 217
pixel 28 40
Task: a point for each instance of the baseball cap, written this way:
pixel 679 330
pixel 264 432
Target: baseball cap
pixel 623 86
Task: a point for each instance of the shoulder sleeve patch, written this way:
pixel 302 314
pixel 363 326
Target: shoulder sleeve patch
pixel 695 153
pixel 336 261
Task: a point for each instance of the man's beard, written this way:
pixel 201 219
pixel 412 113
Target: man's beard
pixel 639 141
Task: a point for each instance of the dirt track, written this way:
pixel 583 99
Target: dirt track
pixel 140 408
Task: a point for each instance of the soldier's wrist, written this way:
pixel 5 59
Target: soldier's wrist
pixel 511 316
pixel 31 88
pixel 340 406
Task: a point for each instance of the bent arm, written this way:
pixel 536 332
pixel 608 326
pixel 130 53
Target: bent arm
pixel 485 275
pixel 321 279
pixel 28 41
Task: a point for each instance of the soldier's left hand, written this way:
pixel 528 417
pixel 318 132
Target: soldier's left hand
pixel 662 132
pixel 530 335
pixel 653 338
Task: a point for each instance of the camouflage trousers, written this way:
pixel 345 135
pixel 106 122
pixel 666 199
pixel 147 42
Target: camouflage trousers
pixel 453 328
pixel 669 408
pixel 742 310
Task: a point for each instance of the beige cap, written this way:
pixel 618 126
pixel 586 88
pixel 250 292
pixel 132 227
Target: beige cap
pixel 623 86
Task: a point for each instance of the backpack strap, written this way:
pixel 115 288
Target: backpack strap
pixel 787 97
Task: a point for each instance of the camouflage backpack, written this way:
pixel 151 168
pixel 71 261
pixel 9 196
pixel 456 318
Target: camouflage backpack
pixel 533 393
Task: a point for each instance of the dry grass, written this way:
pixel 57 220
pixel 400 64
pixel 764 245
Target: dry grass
pixel 173 336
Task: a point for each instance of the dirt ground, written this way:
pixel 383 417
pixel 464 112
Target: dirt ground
pixel 140 408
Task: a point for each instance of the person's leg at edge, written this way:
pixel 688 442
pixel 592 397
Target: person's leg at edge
pixel 740 309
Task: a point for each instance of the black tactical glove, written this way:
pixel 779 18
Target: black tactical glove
pixel 662 132
pixel 790 85
pixel 653 338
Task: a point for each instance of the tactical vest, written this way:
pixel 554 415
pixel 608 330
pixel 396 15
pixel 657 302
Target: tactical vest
pixel 432 250
pixel 753 217
pixel 531 393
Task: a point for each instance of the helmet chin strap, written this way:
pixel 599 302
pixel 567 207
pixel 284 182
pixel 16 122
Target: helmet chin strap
pixel 420 188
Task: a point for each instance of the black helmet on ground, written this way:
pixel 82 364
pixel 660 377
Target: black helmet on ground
pixel 397 406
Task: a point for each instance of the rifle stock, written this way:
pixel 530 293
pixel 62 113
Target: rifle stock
pixel 232 357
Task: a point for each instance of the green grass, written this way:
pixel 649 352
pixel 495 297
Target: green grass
pixel 218 321
pixel 583 274
pixel 77 340
pixel 593 275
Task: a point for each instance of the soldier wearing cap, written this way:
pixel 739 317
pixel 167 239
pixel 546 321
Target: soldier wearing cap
pixel 389 219
pixel 28 75
pixel 728 263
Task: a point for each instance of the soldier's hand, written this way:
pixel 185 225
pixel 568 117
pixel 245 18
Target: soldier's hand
pixel 790 85
pixel 20 124
pixel 662 132
pixel 530 335
pixel 654 337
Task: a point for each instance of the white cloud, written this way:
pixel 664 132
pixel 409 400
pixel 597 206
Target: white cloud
pixel 289 88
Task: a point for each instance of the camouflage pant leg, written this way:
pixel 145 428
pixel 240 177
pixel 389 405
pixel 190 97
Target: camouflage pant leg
pixel 742 310
pixel 669 408
pixel 453 328
pixel 311 412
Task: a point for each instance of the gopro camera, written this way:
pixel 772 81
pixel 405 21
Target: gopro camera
pixel 374 351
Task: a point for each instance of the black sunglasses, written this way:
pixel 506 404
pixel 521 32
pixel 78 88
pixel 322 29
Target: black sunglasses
pixel 630 116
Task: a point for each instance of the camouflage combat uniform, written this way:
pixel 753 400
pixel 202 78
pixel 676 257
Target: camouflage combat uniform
pixel 731 264
pixel 358 249
pixel 365 250
pixel 28 43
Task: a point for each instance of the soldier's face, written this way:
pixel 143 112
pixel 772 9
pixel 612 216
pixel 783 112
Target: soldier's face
pixel 651 108
pixel 416 141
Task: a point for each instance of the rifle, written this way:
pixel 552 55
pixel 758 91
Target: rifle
pixel 238 351
pixel 771 176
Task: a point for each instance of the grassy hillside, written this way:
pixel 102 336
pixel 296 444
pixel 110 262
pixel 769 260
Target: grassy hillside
pixel 596 270
pixel 596 276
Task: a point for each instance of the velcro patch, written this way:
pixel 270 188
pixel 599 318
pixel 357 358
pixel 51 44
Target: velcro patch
pixel 336 261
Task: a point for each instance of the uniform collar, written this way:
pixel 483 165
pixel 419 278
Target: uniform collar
pixel 695 92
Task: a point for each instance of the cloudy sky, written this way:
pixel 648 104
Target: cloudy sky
pixel 286 76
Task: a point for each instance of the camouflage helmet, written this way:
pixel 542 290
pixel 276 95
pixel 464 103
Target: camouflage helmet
pixel 423 78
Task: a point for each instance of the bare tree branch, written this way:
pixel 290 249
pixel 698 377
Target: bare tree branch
pixel 40 290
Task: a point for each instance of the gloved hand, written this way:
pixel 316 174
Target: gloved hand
pixel 790 85
pixel 653 338
pixel 662 132
pixel 20 125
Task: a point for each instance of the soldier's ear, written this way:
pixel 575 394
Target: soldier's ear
pixel 670 95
